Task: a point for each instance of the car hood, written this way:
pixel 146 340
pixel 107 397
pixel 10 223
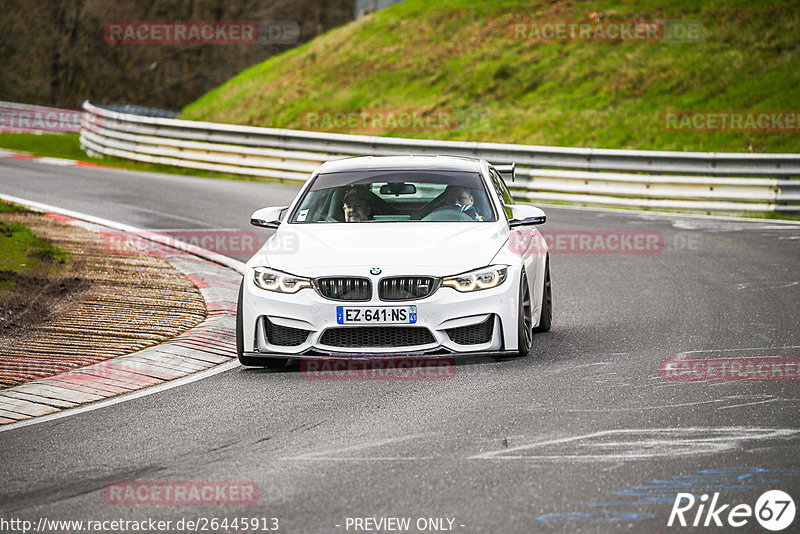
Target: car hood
pixel 407 248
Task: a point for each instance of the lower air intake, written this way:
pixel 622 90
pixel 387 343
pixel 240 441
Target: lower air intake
pixel 377 336
pixel 284 336
pixel 474 334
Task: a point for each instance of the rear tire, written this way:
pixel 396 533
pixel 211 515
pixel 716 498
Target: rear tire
pixel 524 318
pixel 546 316
pixel 252 361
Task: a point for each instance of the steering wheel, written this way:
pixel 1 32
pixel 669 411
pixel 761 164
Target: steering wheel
pixel 447 214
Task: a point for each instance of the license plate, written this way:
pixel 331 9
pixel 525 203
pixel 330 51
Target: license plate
pixel 384 315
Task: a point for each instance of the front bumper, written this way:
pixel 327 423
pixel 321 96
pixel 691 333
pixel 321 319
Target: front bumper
pixel 315 354
pixel 444 312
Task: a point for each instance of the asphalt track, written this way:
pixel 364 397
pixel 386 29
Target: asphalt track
pixel 583 435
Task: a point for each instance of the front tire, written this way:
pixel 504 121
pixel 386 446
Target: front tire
pixel 240 325
pixel 524 318
pixel 252 361
pixel 546 315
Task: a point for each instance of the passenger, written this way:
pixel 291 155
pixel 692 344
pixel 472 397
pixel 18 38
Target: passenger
pixel 357 206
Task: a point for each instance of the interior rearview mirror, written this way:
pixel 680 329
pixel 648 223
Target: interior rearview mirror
pixel 398 188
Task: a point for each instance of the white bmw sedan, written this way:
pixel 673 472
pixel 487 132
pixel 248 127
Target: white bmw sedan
pixel 396 256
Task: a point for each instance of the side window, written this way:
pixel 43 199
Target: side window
pixel 502 192
pixel 497 188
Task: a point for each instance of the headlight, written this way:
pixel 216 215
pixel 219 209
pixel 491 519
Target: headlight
pixel 273 280
pixel 484 278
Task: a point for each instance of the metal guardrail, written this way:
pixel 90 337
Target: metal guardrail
pixel 691 181
pixel 25 118
pixel 135 109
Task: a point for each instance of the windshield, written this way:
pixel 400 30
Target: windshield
pixel 395 196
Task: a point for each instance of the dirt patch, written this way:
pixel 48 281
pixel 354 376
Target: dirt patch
pixel 97 305
pixel 30 299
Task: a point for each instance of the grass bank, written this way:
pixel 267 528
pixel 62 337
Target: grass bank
pixel 469 61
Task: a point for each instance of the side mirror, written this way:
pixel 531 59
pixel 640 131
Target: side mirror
pixel 267 217
pixel 525 215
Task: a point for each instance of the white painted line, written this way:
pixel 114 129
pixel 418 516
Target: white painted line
pixel 150 390
pixel 56 161
pixel 633 409
pixel 99 402
pixel 748 404
pixel 680 354
pixel 662 442
pixel 236 265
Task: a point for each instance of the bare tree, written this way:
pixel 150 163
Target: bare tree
pixel 55 53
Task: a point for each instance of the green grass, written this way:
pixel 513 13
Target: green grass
pixel 10 207
pixel 22 251
pixel 67 146
pixel 53 145
pixel 461 57
pixel 27 262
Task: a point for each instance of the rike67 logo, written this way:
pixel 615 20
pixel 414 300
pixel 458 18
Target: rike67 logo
pixel 774 511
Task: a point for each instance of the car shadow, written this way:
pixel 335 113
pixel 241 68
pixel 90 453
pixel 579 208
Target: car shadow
pixel 541 352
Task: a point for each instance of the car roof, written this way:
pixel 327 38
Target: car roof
pixel 386 163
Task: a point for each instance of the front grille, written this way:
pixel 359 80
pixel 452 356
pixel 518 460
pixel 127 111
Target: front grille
pixel 284 336
pixel 344 288
pixel 377 336
pixel 474 334
pixel 406 287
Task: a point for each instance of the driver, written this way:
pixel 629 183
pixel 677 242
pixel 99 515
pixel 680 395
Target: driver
pixel 357 206
pixel 463 200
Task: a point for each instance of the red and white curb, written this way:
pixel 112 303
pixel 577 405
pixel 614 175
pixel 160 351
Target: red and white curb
pixel 59 162
pixel 206 348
